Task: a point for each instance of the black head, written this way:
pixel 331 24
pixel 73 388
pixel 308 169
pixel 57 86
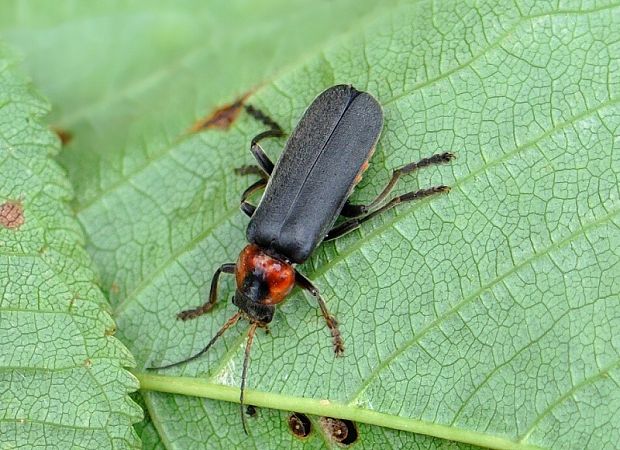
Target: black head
pixel 262 314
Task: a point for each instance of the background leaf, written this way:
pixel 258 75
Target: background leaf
pixel 490 310
pixel 62 384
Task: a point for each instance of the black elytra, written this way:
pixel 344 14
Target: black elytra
pixel 316 173
pixel 306 192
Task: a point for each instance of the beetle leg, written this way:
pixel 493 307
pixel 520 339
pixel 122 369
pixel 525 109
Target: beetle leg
pixel 251 169
pixel 263 118
pixel 351 210
pixel 206 307
pixel 344 228
pixel 352 224
pixel 330 320
pixel 247 209
pixel 261 157
pixel 275 130
pixel 265 165
pixel 253 188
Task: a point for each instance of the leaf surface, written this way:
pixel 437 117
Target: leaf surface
pixel 62 381
pixel 490 311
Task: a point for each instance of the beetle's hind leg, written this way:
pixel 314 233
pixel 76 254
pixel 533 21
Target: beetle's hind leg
pixel 354 223
pixel 265 165
pixel 359 214
pixel 330 320
pixel 351 210
pixel 208 305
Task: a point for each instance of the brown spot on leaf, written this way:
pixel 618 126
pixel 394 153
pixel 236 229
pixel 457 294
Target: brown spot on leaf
pixel 222 117
pixel 114 289
pixel 12 215
pixel 88 363
pixel 64 135
pixel 299 424
pixel 341 431
pixel 110 331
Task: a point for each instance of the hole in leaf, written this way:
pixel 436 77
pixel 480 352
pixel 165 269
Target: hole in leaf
pixel 299 424
pixel 341 431
pixel 251 411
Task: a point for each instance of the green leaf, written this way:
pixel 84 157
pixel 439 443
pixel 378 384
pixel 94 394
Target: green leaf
pixel 62 382
pixel 486 316
pixel 146 429
pixel 128 78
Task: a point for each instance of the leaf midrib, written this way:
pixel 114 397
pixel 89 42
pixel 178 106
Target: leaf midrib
pixel 481 437
pixel 201 388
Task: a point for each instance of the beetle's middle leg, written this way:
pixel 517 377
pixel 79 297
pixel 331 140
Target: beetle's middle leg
pixel 251 169
pixel 330 320
pixel 245 206
pixel 265 166
pixel 351 210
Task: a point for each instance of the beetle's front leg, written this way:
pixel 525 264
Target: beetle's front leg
pixel 265 165
pixel 206 307
pixel 330 320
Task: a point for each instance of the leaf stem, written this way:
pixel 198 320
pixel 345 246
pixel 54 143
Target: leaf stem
pixel 201 388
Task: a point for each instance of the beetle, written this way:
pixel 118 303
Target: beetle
pixel 305 194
